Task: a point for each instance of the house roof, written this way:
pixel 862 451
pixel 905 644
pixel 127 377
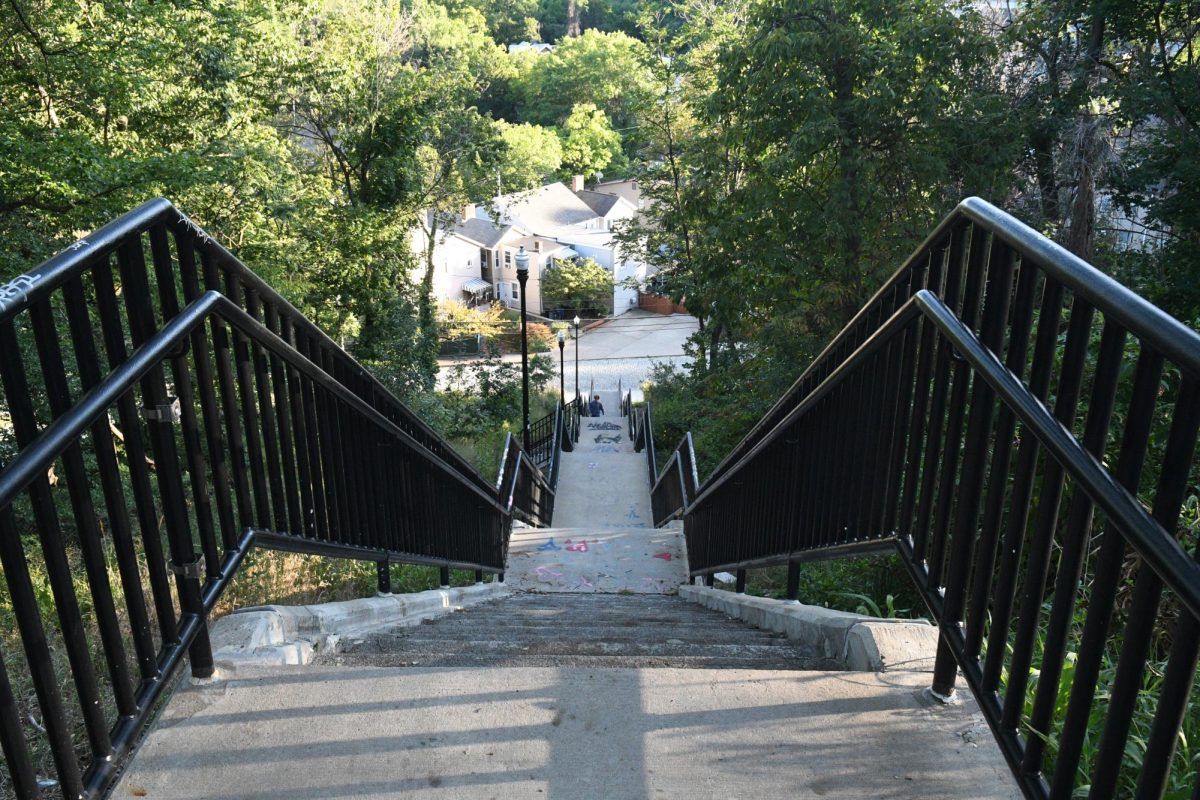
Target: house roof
pixel 546 209
pixel 599 202
pixel 480 231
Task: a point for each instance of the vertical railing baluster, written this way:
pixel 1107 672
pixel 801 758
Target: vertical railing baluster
pixel 88 361
pixel 140 310
pixel 136 459
pixel 1021 496
pixel 1075 542
pixel 970 483
pixel 209 409
pixel 993 514
pixel 1147 592
pixel 1106 578
pixel 1037 565
pixel 236 438
pixel 50 535
pixel 181 372
pixel 91 548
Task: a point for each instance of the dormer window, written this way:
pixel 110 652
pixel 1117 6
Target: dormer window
pixel 537 246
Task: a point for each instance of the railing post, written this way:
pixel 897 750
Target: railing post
pixel 445 577
pixel 708 579
pixel 479 576
pixel 383 573
pixel 945 671
pixel 793 581
pixel 741 581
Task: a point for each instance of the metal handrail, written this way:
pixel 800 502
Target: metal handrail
pixel 1166 334
pixel 911 433
pixel 34 459
pixel 26 291
pixel 282 439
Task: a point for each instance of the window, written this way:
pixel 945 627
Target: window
pixel 537 246
pixel 508 258
pixel 516 291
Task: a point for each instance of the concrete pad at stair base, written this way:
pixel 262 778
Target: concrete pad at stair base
pixel 632 560
pixel 567 733
pixel 277 635
pixel 859 642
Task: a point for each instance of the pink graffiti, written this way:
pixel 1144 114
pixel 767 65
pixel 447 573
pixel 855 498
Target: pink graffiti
pixel 663 556
pixel 546 574
pixel 578 547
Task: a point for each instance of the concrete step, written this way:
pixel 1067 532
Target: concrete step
pixel 580 630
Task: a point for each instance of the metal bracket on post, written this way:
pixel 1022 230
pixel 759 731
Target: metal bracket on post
pixel 190 571
pixel 169 413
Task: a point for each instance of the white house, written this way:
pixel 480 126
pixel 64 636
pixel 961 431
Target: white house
pixel 540 48
pixel 474 258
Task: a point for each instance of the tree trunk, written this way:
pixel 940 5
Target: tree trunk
pixel 572 18
pixel 1081 230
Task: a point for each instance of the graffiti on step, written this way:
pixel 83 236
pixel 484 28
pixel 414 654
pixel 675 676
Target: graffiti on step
pixel 603 426
pixel 550 545
pixel 602 439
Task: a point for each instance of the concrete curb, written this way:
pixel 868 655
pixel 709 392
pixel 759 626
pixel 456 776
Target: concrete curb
pixel 264 636
pixel 861 644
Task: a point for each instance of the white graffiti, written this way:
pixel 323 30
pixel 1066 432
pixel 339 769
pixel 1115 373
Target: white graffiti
pixel 17 289
pixel 82 243
pixel 193 227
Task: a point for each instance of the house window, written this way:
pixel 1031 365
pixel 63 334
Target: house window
pixel 516 291
pixel 508 258
pixel 537 246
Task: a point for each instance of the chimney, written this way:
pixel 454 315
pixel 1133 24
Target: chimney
pixel 576 183
pixel 468 212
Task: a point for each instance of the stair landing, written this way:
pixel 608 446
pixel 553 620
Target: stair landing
pixel 629 561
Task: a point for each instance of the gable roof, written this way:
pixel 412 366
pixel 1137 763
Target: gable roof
pixel 599 202
pixel 545 209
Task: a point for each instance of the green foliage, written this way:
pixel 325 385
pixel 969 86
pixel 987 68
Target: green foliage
pixel 590 144
pixel 604 69
pixel 578 284
pixel 532 155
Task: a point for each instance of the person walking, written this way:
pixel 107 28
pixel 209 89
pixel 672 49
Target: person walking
pixel 595 409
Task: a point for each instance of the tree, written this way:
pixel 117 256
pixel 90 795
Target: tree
pixel 590 144
pixel 604 69
pixel 532 154
pixel 579 285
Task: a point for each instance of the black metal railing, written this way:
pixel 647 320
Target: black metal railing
pixel 641 432
pixel 524 489
pixel 572 412
pixel 676 488
pixel 164 413
pixel 544 439
pixel 1021 429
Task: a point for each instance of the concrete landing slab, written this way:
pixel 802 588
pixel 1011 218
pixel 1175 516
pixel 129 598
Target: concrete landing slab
pixel 567 734
pixel 603 483
pixel 638 561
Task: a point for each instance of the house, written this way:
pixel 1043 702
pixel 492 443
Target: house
pixel 474 256
pixel 540 48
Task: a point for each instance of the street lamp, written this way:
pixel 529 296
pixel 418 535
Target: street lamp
pixel 576 356
pixel 562 394
pixel 522 278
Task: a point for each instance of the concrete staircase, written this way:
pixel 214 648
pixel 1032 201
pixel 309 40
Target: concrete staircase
pixel 593 680
pixel 574 630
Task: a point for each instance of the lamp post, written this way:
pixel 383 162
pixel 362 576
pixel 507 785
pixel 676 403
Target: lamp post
pixel 522 278
pixel 562 394
pixel 576 356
